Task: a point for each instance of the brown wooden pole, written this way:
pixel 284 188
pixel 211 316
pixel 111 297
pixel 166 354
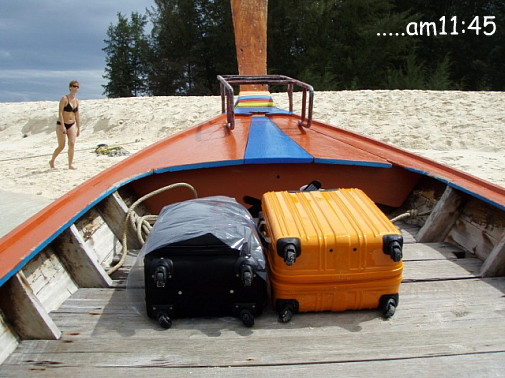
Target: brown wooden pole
pixel 250 24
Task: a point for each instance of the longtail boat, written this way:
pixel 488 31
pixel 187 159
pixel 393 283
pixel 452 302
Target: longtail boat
pixel 63 305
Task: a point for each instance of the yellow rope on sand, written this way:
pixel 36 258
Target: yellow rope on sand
pixel 104 149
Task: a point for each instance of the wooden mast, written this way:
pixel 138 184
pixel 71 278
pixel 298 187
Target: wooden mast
pixel 250 24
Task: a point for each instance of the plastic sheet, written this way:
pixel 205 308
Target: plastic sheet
pixel 190 221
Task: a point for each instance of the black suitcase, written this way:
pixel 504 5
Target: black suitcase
pixel 204 258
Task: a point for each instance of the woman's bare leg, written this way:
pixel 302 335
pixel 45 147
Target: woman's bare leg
pixel 72 136
pixel 61 145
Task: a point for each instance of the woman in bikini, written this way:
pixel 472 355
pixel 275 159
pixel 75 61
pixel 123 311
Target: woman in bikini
pixel 68 124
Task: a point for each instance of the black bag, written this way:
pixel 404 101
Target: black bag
pixel 204 258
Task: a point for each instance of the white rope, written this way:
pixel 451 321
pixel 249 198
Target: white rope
pixel 142 225
pixel 409 214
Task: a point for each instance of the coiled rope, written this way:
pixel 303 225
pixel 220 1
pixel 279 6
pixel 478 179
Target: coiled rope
pixel 142 225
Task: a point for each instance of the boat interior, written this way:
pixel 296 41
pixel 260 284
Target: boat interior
pixel 63 314
pixel 64 309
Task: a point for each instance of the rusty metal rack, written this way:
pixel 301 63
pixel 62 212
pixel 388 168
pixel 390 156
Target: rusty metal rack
pixel 227 94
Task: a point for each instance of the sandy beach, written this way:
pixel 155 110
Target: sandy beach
pixel 465 130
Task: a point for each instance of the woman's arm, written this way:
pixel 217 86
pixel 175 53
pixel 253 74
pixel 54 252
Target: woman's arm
pixel 78 119
pixel 60 115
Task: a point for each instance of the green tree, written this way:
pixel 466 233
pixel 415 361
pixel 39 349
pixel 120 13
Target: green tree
pixel 192 43
pixel 127 51
pixel 476 61
pixel 334 44
pixel 366 55
pixel 415 75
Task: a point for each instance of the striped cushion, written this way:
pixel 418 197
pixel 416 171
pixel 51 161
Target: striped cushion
pixel 254 100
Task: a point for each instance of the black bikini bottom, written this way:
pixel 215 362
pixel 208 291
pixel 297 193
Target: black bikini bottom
pixel 67 125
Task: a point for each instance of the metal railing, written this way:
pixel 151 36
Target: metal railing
pixel 227 94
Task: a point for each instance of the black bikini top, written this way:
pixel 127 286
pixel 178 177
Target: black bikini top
pixel 69 108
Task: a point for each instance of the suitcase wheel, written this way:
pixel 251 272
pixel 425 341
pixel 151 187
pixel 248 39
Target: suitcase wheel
pixel 392 246
pixel 164 320
pixel 286 308
pixel 390 309
pixel 247 317
pixel 285 314
pixel 388 305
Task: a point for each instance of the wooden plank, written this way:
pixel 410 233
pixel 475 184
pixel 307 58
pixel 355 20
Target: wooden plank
pixel 25 312
pixel 432 251
pixel 114 210
pixel 48 279
pixel 479 228
pixel 85 299
pixel 129 197
pixel 441 270
pixel 443 216
pixel 481 297
pixel 107 246
pixel 98 236
pixel 303 347
pixel 427 305
pixel 120 276
pixel 495 263
pixel 409 232
pixel 80 260
pixel 454 319
pixel 467 365
pixel 8 338
pixel 438 261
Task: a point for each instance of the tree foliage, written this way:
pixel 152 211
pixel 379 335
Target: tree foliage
pixel 332 44
pixel 471 61
pixel 127 50
pixel 192 43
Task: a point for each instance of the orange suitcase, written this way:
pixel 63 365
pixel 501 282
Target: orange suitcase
pixel 331 250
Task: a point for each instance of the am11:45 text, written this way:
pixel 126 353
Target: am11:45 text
pixel 488 26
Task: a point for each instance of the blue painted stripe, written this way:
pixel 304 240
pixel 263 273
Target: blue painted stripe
pixel 58 232
pixel 210 164
pixel 269 144
pixel 458 187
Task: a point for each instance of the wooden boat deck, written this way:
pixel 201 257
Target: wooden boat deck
pixel 450 322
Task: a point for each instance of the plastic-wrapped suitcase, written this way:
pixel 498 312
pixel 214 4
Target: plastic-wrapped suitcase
pixel 331 250
pixel 204 257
